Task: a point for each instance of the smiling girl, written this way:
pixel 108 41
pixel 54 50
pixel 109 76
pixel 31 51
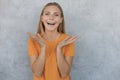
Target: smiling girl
pixel 51 50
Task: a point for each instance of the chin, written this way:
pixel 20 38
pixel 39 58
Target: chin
pixel 51 30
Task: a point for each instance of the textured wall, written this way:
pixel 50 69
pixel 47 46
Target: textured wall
pixel 96 22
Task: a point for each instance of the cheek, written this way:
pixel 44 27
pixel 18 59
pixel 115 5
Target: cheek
pixel 44 18
pixel 59 20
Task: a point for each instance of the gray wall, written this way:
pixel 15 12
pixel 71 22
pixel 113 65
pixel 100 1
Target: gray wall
pixel 96 22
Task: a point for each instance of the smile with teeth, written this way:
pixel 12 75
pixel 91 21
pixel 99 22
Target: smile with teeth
pixel 50 23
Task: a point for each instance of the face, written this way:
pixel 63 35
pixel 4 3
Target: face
pixel 51 18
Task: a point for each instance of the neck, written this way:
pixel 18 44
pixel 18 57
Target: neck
pixel 51 35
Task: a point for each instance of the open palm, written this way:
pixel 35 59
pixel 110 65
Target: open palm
pixel 37 38
pixel 67 41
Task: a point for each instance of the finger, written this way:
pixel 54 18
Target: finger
pixel 28 33
pixel 72 38
pixel 66 38
pixel 40 37
pixel 31 35
pixel 75 37
pixel 71 41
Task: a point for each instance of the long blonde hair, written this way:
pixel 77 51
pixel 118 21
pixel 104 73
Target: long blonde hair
pixel 61 27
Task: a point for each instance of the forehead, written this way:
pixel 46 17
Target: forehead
pixel 52 8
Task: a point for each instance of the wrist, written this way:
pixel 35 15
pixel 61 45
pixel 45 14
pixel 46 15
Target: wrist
pixel 59 47
pixel 43 47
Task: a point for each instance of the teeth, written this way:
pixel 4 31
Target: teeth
pixel 51 23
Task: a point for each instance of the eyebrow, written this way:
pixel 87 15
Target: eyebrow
pixel 49 12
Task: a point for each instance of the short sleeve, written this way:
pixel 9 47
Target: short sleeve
pixel 69 50
pixel 31 48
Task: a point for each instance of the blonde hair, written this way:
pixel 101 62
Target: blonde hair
pixel 61 27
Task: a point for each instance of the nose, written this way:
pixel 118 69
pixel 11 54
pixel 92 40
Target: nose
pixel 51 17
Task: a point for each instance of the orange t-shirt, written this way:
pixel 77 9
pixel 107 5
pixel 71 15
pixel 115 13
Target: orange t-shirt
pixel 50 71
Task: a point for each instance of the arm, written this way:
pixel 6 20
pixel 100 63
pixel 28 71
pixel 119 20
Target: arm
pixel 37 63
pixel 64 63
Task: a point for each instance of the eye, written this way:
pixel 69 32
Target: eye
pixel 46 14
pixel 56 14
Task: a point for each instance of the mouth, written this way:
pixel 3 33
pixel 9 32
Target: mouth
pixel 50 23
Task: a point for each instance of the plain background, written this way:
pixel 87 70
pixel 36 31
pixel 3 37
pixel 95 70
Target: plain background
pixel 96 22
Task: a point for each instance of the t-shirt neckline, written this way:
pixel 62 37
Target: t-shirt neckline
pixel 55 39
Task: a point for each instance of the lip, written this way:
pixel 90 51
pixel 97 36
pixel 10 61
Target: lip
pixel 50 23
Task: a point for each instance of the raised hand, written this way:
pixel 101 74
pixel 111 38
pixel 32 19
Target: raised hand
pixel 67 41
pixel 37 38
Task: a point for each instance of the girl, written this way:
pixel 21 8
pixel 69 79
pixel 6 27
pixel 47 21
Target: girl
pixel 51 51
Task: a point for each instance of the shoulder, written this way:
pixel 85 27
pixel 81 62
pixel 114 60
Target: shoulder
pixel 63 36
pixel 31 41
pixel 66 35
